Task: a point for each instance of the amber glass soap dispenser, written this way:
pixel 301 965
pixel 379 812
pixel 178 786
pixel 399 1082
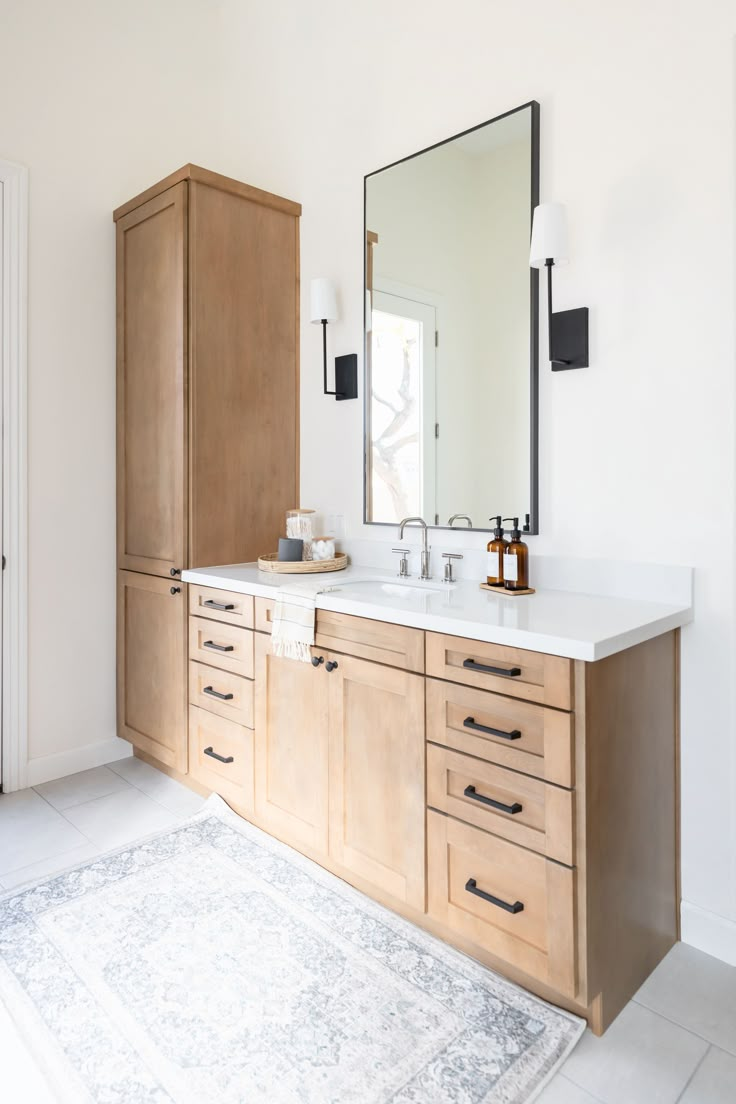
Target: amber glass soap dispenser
pixel 516 560
pixel 496 549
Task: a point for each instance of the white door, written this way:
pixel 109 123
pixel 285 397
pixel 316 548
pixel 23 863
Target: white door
pixel 402 408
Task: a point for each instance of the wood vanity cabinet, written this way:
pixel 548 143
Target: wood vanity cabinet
pixel 521 806
pixel 376 787
pixel 339 763
pixel 291 772
pixel 207 415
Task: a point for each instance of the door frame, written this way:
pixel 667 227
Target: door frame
pixel 14 361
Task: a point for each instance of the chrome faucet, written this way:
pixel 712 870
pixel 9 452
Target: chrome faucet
pixel 425 550
pixel 460 517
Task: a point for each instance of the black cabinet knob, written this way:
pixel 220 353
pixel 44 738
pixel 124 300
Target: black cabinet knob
pixel 331 665
pixel 175 590
pixel 316 660
pixel 174 571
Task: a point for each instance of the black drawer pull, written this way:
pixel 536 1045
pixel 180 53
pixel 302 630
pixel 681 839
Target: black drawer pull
pixel 507 672
pixel 219 647
pixel 470 791
pixel 216 694
pixel 472 887
pixel 224 606
pixel 469 722
pixel 222 759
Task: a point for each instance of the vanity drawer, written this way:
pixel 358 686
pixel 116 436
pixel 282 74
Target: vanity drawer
pixel 515 734
pixel 226 647
pixel 475 882
pixel 221 692
pixel 264 613
pixel 221 605
pixel 521 809
pixel 533 676
pixel 230 775
pixel 380 641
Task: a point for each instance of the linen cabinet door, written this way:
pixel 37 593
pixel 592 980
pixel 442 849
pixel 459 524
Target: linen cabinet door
pixel 377 755
pixel 291 748
pixel 151 375
pixel 152 667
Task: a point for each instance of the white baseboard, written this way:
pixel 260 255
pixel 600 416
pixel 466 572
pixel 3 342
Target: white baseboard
pixel 716 935
pixel 49 767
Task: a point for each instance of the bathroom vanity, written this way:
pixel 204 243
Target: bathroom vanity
pixel 501 771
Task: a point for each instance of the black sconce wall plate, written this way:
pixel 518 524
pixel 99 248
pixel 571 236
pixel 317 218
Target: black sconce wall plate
pixel 346 377
pixel 569 339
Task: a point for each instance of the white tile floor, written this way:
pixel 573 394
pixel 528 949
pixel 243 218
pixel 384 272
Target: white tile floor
pixel 675 1042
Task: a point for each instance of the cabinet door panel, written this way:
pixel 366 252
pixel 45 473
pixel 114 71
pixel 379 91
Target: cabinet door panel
pixel 151 374
pixel 377 776
pixel 244 386
pixel 152 667
pixel 291 749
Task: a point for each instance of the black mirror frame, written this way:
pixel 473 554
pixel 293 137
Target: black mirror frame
pixel 533 526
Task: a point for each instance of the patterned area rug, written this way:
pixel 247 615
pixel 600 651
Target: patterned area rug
pixel 210 964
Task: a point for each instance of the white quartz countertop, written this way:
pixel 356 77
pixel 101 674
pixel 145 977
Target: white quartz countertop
pixel 559 622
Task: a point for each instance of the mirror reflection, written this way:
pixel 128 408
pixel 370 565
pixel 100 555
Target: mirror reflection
pixel 450 346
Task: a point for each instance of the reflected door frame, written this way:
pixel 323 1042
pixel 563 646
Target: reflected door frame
pixel 393 297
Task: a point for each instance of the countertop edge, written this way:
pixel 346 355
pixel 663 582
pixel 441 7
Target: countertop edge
pixel 586 650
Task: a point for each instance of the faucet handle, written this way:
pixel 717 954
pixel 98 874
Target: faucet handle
pixel 403 565
pixel 448 577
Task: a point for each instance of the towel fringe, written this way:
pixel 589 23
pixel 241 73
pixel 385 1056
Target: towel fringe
pixel 291 649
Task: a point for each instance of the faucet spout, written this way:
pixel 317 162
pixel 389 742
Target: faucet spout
pixel 425 575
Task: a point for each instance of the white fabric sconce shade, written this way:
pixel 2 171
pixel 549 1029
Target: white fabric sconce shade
pixel 323 300
pixel 549 235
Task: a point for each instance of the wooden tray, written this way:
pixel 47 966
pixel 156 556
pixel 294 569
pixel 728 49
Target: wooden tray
pixel 507 593
pixel 271 562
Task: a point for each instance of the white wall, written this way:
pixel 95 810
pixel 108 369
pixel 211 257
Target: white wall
pixel 99 102
pixel 636 453
pixel 637 137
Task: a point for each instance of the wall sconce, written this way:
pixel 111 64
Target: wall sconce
pixel 324 309
pixel 568 330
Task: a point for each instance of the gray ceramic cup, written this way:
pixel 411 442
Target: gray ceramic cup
pixel 290 549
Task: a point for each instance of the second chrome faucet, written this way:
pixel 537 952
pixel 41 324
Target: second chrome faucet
pixel 425 549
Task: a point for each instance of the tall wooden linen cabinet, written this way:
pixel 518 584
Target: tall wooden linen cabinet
pixel 207 418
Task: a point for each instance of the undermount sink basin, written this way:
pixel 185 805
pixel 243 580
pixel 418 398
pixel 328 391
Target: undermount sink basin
pixel 397 589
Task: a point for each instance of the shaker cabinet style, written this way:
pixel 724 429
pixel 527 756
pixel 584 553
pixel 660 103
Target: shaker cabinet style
pixel 291 748
pixel 339 759
pixel 152 667
pixel 207 419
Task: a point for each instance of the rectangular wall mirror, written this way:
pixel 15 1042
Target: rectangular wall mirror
pixel 451 341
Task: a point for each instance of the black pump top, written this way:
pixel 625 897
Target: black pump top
pixel 515 531
pixel 498 528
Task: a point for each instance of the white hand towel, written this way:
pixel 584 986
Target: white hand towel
pixel 293 620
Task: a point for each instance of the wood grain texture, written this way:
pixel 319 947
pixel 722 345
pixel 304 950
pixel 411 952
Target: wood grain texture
pixel 232 781
pixel 630 817
pixel 227 647
pixel 544 748
pixel 380 641
pixel 206 681
pixel 215 180
pixel 544 678
pixel 291 749
pixel 376 759
pixel 543 823
pixel 151 667
pixel 204 602
pixel 538 940
pixel 152 385
pixel 244 406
